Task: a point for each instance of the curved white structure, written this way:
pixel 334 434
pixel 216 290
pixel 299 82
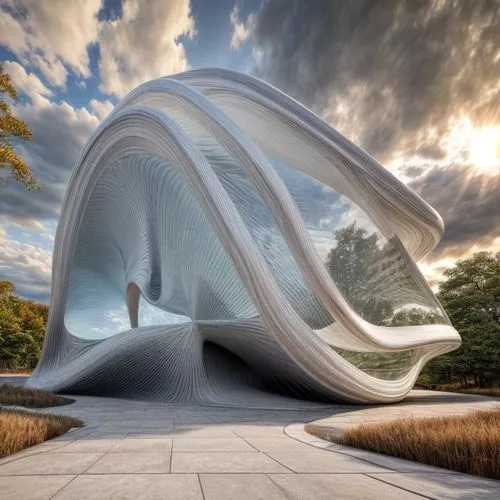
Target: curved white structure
pixel 218 239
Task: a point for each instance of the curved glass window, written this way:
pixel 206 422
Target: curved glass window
pixel 372 270
pixel 374 274
pixel 142 225
pixel 261 225
pixel 383 365
pixel 149 315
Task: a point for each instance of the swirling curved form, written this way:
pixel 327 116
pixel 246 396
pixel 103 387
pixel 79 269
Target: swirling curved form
pixel 219 240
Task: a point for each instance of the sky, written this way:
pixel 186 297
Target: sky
pixel 414 83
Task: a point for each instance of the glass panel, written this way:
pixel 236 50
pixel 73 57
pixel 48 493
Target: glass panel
pixel 259 221
pixel 143 225
pixel 383 365
pixel 374 274
pixel 265 231
pixel 149 315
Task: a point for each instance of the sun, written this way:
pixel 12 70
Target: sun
pixel 484 149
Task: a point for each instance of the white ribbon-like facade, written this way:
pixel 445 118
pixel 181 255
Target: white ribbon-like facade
pixel 218 241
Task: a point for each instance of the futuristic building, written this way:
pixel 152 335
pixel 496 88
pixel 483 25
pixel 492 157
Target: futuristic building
pixel 218 240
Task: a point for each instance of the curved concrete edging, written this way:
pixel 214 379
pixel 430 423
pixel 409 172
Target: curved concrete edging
pixel 392 464
pixel 420 404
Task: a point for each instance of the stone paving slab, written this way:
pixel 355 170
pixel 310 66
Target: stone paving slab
pixel 211 444
pixel 280 444
pixel 132 463
pixel 204 462
pixel 34 450
pixel 345 486
pixel 323 461
pixel 182 431
pixel 135 445
pixel 32 487
pixel 257 431
pixel 133 487
pixel 88 446
pixel 133 449
pixel 241 487
pixel 50 463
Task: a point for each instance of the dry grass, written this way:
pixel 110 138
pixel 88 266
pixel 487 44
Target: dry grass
pixel 20 430
pixel 12 395
pixel 480 391
pixel 469 443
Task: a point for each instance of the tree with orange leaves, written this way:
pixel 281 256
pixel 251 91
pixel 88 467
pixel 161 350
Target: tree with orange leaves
pixel 11 127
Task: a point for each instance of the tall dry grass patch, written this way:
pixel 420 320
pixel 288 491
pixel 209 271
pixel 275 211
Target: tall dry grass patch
pixel 12 395
pixel 468 443
pixel 20 430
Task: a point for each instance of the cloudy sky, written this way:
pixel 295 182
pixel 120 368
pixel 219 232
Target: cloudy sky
pixel 416 83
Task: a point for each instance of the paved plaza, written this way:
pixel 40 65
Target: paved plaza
pixel 135 449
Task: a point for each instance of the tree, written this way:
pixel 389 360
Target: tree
pixel 22 328
pixel 470 295
pixel 471 291
pixel 13 127
pixel 354 265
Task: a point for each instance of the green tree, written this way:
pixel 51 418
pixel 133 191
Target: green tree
pixel 354 264
pixel 470 295
pixel 13 127
pixel 471 291
pixel 22 328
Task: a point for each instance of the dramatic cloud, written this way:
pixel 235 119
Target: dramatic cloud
pixel 51 41
pixel 59 132
pixel 469 204
pixel 143 43
pixel 55 37
pixel 27 265
pixel 388 74
pixel 101 108
pixel 397 77
pixel 51 36
pixel 240 31
pixel 28 83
